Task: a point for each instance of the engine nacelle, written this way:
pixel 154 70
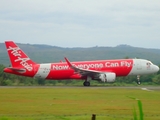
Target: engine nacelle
pixel 107 77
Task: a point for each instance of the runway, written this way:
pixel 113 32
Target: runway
pixel 90 87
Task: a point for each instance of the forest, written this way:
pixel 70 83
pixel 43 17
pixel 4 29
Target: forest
pixel 48 54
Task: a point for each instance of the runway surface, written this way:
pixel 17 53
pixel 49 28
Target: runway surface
pixel 90 87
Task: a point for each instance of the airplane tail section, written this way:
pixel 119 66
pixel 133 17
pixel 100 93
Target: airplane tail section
pixel 17 57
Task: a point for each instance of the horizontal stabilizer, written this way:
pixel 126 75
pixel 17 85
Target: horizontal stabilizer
pixel 20 70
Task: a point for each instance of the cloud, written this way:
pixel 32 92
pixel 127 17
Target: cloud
pixel 72 23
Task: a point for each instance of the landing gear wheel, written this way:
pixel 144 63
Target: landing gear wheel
pixel 138 80
pixel 86 83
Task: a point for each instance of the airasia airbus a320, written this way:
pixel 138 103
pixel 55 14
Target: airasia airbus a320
pixel 101 70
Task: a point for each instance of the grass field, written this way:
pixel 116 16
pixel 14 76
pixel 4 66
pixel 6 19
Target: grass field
pixel 76 103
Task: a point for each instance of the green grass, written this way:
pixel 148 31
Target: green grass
pixel 76 103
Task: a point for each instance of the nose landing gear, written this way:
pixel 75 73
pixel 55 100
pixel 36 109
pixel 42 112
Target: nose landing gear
pixel 138 80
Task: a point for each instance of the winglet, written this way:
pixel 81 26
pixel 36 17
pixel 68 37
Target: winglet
pixel 71 65
pixel 68 62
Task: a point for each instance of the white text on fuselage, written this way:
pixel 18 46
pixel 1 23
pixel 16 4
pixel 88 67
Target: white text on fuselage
pixel 94 65
pixel 23 61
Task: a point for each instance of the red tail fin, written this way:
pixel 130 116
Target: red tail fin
pixel 17 57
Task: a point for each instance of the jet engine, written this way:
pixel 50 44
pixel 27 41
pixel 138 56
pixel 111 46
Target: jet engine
pixel 107 77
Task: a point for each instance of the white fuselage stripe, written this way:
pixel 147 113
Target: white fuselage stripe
pixel 43 71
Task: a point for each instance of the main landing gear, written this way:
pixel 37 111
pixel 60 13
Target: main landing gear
pixel 138 80
pixel 87 81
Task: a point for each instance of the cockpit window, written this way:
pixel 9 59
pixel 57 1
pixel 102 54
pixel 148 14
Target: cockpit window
pixel 149 63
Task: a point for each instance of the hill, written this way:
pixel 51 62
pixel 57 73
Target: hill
pixel 46 53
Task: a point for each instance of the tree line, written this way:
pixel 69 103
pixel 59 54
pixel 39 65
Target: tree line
pixel 14 80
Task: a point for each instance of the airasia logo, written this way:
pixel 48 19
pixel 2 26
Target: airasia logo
pixel 23 61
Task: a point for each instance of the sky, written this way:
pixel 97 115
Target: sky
pixel 81 23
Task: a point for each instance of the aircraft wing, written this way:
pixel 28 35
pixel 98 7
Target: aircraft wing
pixel 82 71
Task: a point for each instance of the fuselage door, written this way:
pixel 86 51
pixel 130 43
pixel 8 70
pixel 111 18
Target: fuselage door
pixel 139 64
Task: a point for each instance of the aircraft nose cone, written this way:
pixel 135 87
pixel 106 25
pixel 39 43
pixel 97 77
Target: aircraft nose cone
pixel 157 68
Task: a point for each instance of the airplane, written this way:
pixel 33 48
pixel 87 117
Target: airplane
pixel 100 70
